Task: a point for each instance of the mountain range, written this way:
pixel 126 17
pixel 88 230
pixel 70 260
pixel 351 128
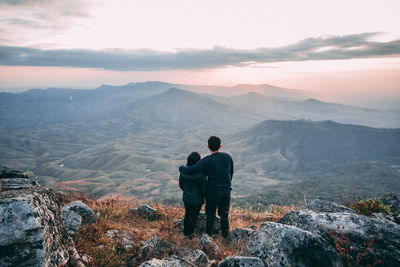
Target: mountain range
pixel 129 140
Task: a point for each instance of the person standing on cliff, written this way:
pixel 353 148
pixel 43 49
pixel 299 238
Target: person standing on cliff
pixel 218 167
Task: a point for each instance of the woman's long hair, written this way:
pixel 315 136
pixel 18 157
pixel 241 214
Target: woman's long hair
pixel 193 158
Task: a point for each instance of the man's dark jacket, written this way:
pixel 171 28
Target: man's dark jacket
pixel 218 167
pixel 194 188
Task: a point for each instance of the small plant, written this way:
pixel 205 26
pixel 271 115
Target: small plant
pixel 370 206
pixel 351 256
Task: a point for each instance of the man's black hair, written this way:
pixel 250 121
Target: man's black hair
pixel 193 158
pixel 214 143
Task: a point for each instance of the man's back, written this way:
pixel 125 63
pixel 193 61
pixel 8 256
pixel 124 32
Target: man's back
pixel 219 169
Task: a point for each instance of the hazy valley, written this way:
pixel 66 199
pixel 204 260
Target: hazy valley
pixel 129 140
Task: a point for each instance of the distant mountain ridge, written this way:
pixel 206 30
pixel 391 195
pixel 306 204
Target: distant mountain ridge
pixel 314 109
pixel 323 144
pixel 57 105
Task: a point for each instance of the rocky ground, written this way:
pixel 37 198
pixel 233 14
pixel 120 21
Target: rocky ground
pixel 42 227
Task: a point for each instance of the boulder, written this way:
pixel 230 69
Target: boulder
pixel 382 216
pixel 195 256
pixel 145 212
pixel 125 239
pixel 201 224
pixel 392 200
pixel 397 218
pixel 14 179
pixel 209 246
pixel 172 261
pixel 237 261
pixel 240 235
pixel 11 173
pixel 75 214
pixel 326 206
pixel 31 230
pixel 75 259
pixel 15 183
pixel 154 247
pixel 358 229
pixel 87 260
pixel 283 245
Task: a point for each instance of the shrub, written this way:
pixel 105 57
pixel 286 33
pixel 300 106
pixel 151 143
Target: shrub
pixel 370 206
pixel 352 256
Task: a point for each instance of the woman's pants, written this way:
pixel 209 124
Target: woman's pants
pixel 190 220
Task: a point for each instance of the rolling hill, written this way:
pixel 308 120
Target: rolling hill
pixel 324 160
pixel 129 140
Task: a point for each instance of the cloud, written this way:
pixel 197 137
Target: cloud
pixel 21 19
pixel 322 48
pixel 69 7
pixel 33 24
pixel 20 2
pixel 38 8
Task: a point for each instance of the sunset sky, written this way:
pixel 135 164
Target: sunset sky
pixel 341 50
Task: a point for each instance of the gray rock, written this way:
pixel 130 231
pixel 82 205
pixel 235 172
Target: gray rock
pixel 283 245
pixel 237 261
pixel 240 235
pixel 75 214
pixel 15 183
pixel 31 230
pixel 14 179
pixel 154 247
pixel 357 228
pixel 392 200
pixel 326 206
pixel 195 256
pixel 11 173
pixel 396 218
pixel 382 216
pixel 75 259
pixel 87 260
pixel 145 212
pixel 172 261
pixel 126 240
pixel 209 246
pixel 201 224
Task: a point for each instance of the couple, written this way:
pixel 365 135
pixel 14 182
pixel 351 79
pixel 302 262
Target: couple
pixel 208 178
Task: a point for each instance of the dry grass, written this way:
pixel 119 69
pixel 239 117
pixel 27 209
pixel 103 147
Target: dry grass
pixel 114 214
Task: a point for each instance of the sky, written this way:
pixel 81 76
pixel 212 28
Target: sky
pixel 344 51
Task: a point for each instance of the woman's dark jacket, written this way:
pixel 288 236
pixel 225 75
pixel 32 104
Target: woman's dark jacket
pixel 194 188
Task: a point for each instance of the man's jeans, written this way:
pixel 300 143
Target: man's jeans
pixel 220 200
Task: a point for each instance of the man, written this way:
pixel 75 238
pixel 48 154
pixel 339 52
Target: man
pixel 218 167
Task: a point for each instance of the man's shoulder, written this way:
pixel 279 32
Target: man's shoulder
pixel 220 155
pixel 224 154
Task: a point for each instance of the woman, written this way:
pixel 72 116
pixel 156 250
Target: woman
pixel 194 189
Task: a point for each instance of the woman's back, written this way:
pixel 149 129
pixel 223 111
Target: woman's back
pixel 194 187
